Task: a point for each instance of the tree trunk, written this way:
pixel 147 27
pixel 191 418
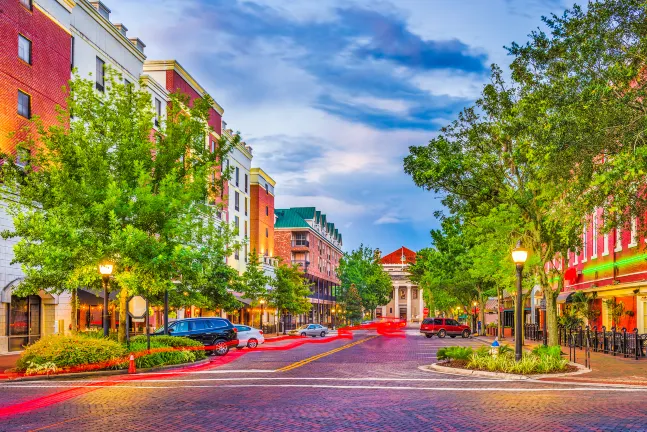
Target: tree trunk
pixel 551 316
pixel 482 316
pixel 499 312
pixel 73 320
pixel 123 311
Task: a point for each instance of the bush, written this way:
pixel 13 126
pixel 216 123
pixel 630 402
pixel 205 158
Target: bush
pixel 97 334
pixel 171 357
pixel 541 360
pixel 68 351
pixel 454 353
pixel 547 351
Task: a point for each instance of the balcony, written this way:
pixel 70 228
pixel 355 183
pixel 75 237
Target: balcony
pixel 303 263
pixel 300 243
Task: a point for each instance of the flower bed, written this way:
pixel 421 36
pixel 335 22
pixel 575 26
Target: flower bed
pixel 542 360
pixel 78 353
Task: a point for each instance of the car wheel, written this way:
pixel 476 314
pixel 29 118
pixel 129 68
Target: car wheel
pixel 323 334
pixel 466 334
pixel 429 335
pixel 303 334
pixel 220 347
pixel 442 333
pixel 252 343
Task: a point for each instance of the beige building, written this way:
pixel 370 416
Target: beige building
pixel 406 299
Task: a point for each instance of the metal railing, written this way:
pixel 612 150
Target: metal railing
pixel 614 342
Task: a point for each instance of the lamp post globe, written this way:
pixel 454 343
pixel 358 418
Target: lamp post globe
pixel 105 269
pixel 519 257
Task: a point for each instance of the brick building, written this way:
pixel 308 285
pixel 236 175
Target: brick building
pixel 262 213
pixel 303 236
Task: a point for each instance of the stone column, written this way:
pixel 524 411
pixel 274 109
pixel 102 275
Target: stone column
pixel 396 311
pixel 408 303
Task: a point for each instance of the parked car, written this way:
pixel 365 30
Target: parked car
pixel 444 327
pixel 219 334
pixel 249 337
pixel 313 330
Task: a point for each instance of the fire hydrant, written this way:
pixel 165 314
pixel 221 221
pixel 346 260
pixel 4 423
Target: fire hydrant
pixel 494 348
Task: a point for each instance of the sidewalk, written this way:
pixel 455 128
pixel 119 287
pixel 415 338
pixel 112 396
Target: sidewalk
pixel 8 361
pixel 606 369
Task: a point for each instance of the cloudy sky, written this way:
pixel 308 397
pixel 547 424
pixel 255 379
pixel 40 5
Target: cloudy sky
pixel 331 93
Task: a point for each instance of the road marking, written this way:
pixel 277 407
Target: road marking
pixel 325 354
pixel 366 387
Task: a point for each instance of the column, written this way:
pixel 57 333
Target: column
pixel 421 305
pixel 408 303
pixel 396 310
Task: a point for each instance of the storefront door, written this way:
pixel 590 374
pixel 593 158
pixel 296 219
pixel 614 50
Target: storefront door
pixel 403 313
pixel 24 321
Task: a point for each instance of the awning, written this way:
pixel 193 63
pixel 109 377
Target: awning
pixel 240 298
pixel 92 299
pixel 565 297
pixel 492 304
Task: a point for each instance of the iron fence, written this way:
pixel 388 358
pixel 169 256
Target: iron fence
pixel 617 343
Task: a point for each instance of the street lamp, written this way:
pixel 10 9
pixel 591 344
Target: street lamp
pixel 105 270
pixel 332 317
pixel 262 302
pixel 474 316
pixel 519 257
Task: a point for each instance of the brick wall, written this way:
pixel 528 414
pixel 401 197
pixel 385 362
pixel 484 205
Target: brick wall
pixel 282 245
pixel 259 220
pixel 175 82
pixel 42 80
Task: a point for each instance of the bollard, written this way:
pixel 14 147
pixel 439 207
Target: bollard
pixel 131 365
pixel 613 340
pixel 604 340
pixel 624 343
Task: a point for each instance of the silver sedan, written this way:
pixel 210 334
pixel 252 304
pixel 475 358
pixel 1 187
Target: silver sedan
pixel 313 330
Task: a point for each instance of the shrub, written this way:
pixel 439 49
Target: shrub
pixel 67 351
pixel 171 357
pixel 97 334
pixel 547 351
pixel 454 353
pixel 505 350
pixel 529 364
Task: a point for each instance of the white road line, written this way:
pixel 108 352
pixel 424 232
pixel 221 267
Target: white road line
pixel 365 387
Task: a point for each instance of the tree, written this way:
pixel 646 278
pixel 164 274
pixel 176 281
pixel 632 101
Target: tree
pixel 362 268
pixel 353 305
pixel 253 284
pixel 100 186
pixel 489 160
pixel 290 291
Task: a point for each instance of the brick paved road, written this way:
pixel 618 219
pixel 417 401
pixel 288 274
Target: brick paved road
pixel 372 385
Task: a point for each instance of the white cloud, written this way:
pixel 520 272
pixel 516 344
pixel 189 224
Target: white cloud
pixel 388 220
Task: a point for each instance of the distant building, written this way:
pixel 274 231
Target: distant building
pixel 303 236
pixel 406 299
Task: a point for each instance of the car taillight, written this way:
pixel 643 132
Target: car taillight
pixel 260 331
pixel 235 330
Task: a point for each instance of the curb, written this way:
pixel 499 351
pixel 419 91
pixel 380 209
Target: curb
pixel 105 372
pixel 435 367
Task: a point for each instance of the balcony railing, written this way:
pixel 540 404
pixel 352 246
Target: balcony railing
pixel 302 263
pixel 300 243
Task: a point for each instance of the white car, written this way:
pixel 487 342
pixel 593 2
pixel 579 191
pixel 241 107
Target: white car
pixel 249 337
pixel 313 330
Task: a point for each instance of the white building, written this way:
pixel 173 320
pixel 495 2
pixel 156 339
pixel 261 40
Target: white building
pixel 406 300
pixel 239 162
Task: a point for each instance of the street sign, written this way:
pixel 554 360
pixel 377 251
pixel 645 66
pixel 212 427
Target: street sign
pixel 425 311
pixel 137 307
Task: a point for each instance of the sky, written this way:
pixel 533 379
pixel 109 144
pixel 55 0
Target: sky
pixel 331 93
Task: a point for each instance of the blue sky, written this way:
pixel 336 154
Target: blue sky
pixel 331 93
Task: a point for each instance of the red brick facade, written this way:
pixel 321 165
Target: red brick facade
pixel 261 220
pixel 175 82
pixel 43 80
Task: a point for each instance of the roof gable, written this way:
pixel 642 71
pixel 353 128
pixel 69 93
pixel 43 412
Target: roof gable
pixel 395 257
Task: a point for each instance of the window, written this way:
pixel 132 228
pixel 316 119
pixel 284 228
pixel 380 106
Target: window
pixel 245 225
pixel 618 236
pixel 26 3
pixel 576 257
pixel 198 325
pixel 237 176
pixel 181 327
pixel 585 248
pixel 72 53
pixel 100 81
pixel 246 183
pixel 215 323
pixel 236 200
pixel 24 104
pixel 245 206
pixel 245 252
pixel 267 232
pixel 634 232
pixel 594 235
pixel 158 111
pixel 24 49
pixel 438 321
pixel 267 188
pixel 237 222
pixel 267 210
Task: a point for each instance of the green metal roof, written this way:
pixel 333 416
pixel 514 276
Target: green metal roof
pixel 305 212
pixel 289 218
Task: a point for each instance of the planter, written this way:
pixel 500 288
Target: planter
pixel 435 367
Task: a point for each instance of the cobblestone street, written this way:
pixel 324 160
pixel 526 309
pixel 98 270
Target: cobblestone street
pixel 369 383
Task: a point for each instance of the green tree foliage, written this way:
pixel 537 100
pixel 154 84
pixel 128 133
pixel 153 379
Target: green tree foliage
pixel 361 267
pixel 99 186
pixel 290 291
pixel 353 304
pixel 253 284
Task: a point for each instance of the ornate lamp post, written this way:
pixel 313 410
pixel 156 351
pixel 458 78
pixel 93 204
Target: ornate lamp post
pixel 332 317
pixel 519 257
pixel 474 316
pixel 105 270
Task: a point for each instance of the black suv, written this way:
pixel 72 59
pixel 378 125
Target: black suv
pixel 219 334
